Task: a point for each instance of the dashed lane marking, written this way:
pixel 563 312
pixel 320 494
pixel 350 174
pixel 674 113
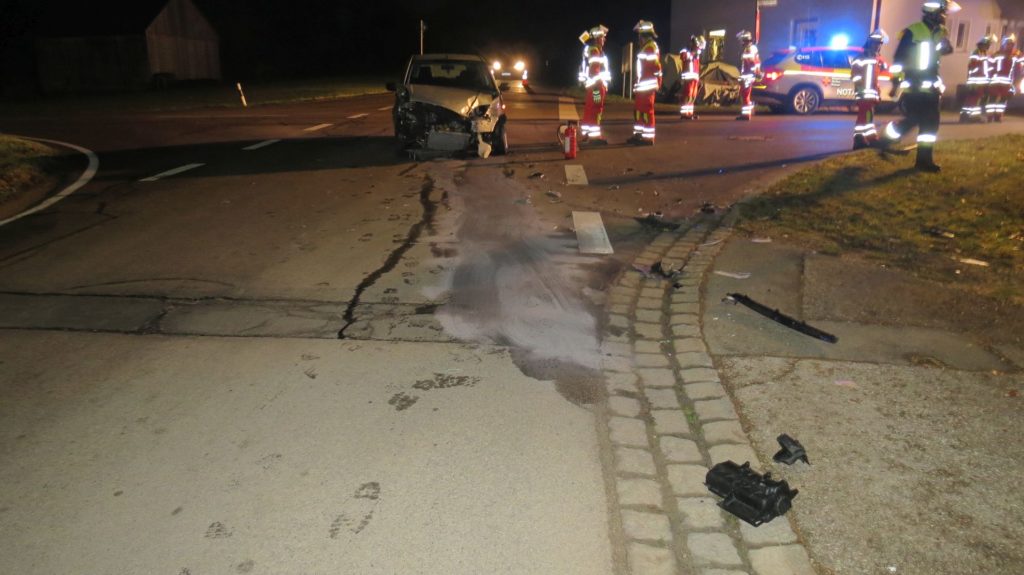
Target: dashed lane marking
pixel 317 127
pixel 177 170
pixel 90 171
pixel 357 116
pixel 593 239
pixel 262 144
pixel 575 175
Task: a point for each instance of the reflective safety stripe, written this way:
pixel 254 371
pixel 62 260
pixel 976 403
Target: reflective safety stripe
pixel 896 68
pixel 924 56
pixel 926 138
pixel 891 132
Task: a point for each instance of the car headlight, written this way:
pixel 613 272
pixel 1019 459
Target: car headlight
pixel 520 66
pixel 496 65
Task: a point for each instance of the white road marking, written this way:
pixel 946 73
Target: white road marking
pixel 357 116
pixel 90 171
pixel 567 110
pixel 177 170
pixel 262 144
pixel 317 127
pixel 575 175
pixel 590 232
pixel 384 108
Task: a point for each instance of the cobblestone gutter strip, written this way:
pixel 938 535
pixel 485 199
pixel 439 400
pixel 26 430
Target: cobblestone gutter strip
pixel 670 419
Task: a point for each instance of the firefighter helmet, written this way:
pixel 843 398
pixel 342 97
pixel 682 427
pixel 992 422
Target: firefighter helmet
pixel 645 27
pixel 745 36
pixel 1009 41
pixel 940 6
pixel 698 42
pixel 598 31
pixel 878 36
pixel 987 40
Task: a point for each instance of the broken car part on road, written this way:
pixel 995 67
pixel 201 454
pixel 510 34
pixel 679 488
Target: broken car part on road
pixel 791 452
pixel 747 494
pixel 780 317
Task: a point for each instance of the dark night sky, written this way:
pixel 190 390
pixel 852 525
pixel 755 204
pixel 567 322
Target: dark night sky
pixel 278 38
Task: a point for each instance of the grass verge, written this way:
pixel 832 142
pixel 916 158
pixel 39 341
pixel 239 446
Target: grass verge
pixel 23 165
pixel 203 95
pixel 964 225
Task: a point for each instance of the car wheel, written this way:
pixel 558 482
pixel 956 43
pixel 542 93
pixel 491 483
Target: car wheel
pixel 804 100
pixel 499 139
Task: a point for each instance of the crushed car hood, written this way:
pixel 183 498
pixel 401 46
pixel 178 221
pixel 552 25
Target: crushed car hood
pixel 455 99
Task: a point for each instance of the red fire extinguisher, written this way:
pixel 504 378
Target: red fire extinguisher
pixel 569 142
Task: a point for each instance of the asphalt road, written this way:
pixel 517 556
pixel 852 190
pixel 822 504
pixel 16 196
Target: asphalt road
pixel 308 352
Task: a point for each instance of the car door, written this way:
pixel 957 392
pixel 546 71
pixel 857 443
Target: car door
pixel 840 86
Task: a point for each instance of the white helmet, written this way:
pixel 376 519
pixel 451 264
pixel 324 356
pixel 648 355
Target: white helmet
pixel 879 36
pixel 745 36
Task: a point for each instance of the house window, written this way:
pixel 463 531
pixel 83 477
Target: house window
pixel 961 35
pixel 804 32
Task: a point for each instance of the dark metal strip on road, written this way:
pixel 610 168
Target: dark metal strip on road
pixel 781 318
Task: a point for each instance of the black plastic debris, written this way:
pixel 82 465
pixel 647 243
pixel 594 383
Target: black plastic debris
pixel 939 232
pixel 536 175
pixel 747 494
pixel 708 208
pixel 780 317
pixel 655 221
pixel 791 452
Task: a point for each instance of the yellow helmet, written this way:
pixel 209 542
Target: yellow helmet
pixel 645 27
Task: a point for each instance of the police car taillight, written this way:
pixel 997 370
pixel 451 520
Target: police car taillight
pixel 772 76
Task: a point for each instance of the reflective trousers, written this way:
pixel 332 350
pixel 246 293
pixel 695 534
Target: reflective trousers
pixel 998 96
pixel 593 108
pixel 923 114
pixel 746 89
pixel 643 114
pixel 865 126
pixel 687 97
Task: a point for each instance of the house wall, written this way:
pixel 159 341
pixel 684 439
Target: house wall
pixel 182 43
pixel 91 64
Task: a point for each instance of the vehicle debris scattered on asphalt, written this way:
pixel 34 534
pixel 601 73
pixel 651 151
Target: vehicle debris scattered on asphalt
pixel 657 269
pixel 734 275
pixel 708 208
pixel 777 316
pixel 655 220
pixel 537 175
pixel 972 262
pixel 747 494
pixel 791 452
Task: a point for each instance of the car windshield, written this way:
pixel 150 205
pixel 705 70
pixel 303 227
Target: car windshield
pixel 452 74
pixel 775 59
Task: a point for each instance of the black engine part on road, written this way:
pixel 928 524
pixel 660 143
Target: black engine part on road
pixel 782 318
pixel 747 494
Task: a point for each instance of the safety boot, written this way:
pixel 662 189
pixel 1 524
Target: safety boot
pixel 924 162
pixel 860 142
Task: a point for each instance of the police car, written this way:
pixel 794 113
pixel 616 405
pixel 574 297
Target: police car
pixel 802 80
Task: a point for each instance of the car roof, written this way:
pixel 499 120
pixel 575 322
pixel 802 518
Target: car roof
pixel 454 57
pixel 817 49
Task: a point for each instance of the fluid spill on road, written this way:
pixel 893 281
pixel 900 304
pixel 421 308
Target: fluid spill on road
pixel 426 221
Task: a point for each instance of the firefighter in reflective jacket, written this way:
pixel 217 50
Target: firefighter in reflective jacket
pixel 595 76
pixel 979 72
pixel 1005 74
pixel 648 81
pixel 689 76
pixel 750 70
pixel 915 69
pixel 865 69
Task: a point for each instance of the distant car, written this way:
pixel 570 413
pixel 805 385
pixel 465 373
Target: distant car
pixel 450 102
pixel 506 69
pixel 801 80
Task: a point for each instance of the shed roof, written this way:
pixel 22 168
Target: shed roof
pixel 97 17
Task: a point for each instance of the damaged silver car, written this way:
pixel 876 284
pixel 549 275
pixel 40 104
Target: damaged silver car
pixel 450 103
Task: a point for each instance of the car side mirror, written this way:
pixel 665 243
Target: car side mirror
pixel 503 86
pixel 390 86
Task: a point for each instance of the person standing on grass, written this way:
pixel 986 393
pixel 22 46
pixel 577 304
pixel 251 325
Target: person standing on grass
pixel 915 69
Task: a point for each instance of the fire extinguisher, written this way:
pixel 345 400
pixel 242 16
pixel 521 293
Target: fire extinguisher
pixel 569 142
